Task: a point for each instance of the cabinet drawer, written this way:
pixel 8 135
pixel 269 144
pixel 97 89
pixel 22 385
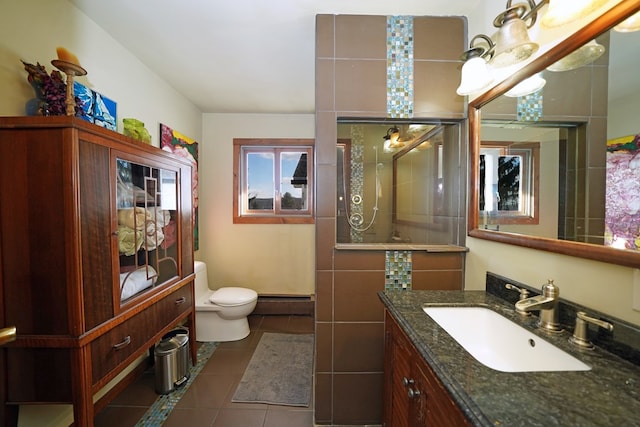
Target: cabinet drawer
pixel 115 346
pixel 112 348
pixel 173 305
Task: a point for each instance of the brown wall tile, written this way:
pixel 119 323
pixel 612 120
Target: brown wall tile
pixel 450 280
pixel 325 238
pixel 325 193
pixel 323 398
pixel 359 260
pixel 326 136
pixel 436 261
pixel 356 296
pixel 435 85
pixel 357 398
pixel 361 85
pixel 358 347
pixel 325 31
pixel 324 347
pixel 361 36
pixel 439 38
pixel 325 77
pixel 324 296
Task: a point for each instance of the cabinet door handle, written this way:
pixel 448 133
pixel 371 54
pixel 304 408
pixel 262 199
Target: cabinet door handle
pixel 413 393
pixel 7 335
pixel 407 381
pixel 180 300
pixel 125 342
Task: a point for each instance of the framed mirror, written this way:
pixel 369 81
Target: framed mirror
pixel 576 201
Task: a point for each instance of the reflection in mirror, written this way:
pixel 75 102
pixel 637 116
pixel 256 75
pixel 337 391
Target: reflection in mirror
pixel 585 122
pixel 399 182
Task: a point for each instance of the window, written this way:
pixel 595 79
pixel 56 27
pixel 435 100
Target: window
pixel 273 181
pixel 509 182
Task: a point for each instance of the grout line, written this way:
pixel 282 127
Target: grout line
pixel 160 410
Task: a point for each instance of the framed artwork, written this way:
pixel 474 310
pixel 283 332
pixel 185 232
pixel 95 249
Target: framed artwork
pixel 183 146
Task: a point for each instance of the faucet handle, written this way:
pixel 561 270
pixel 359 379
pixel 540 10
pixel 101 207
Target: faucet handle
pixel 581 332
pixel 524 294
pixel 550 289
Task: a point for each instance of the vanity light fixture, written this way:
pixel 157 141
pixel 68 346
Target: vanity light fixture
pixel 476 73
pixel 629 25
pixel 527 87
pixel 513 44
pixel 580 57
pixel 392 140
pixel 561 12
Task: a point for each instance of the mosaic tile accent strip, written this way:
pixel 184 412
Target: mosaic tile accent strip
pixel 160 410
pixel 398 267
pixel 530 107
pixel 400 66
pixel 356 180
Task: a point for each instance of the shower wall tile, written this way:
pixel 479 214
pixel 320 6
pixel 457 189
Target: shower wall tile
pixel 597 142
pixel 357 398
pixel 442 261
pixel 324 347
pixel 439 39
pixel 358 347
pixel 325 193
pixel 361 85
pixel 325 76
pixel 359 260
pixel 325 242
pixel 360 286
pixel 326 131
pixel 435 280
pixel 361 36
pixel 325 36
pixel 435 84
pixel 323 398
pixel 324 296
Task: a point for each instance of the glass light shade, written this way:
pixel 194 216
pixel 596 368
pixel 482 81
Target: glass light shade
pixel 476 76
pixel 578 58
pixel 629 25
pixel 560 12
pixel 513 44
pixel 527 87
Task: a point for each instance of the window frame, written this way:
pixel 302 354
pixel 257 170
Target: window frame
pixel 530 154
pixel 277 215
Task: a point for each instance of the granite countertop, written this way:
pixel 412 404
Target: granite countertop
pixel 607 395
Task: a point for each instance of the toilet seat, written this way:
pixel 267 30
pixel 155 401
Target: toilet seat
pixel 232 296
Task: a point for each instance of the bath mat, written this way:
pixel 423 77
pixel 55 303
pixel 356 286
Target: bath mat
pixel 280 371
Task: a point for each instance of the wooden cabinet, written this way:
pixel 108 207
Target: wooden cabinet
pixel 413 395
pixel 96 255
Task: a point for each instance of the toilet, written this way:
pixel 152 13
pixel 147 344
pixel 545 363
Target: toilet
pixel 221 315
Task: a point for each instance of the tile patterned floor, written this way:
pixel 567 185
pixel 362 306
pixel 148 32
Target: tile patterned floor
pixel 207 401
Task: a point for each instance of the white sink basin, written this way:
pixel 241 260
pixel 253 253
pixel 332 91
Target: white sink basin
pixel 501 344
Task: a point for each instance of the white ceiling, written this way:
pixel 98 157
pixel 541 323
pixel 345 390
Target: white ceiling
pixel 240 56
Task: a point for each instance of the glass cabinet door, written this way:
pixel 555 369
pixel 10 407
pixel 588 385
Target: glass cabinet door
pixel 147 213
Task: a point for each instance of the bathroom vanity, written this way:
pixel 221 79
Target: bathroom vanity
pixel 97 258
pixel 429 375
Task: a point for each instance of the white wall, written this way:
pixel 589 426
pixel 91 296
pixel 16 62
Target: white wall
pixel 270 258
pixel 31 30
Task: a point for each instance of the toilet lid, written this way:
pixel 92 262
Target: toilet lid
pixel 232 296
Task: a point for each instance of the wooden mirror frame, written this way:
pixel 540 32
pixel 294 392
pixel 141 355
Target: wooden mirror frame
pixel 607 254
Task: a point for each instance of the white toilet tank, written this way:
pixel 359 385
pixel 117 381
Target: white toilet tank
pixel 201 284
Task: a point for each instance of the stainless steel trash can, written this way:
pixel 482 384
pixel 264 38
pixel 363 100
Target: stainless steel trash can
pixel 172 361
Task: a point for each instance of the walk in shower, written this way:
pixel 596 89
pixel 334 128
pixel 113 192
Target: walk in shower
pixel 400 182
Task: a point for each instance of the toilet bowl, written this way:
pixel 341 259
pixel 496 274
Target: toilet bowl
pixel 221 315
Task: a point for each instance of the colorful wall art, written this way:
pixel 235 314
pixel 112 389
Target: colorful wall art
pixel 183 146
pixel 622 207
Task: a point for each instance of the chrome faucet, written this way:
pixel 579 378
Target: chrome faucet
pixel 580 334
pixel 547 304
pixel 524 294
